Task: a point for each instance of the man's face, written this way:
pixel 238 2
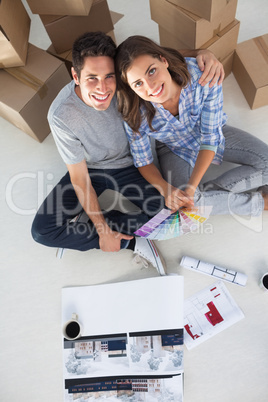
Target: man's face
pixel 96 86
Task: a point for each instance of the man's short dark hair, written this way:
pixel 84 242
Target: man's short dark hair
pixel 91 44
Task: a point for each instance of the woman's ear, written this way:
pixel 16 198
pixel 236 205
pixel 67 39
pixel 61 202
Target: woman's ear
pixel 164 60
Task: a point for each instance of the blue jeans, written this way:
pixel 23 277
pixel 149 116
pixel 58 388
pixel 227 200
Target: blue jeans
pixel 231 191
pixel 52 226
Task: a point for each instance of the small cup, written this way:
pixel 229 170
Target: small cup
pixel 264 282
pixel 72 328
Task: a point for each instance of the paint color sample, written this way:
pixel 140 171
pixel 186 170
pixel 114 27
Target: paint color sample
pixel 165 225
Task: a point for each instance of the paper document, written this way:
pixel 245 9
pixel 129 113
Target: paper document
pixel 209 312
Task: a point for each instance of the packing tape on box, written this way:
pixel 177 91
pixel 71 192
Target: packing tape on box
pixel 263 48
pixel 28 79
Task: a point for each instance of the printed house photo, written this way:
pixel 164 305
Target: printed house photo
pixel 90 355
pixel 164 389
pixel 156 351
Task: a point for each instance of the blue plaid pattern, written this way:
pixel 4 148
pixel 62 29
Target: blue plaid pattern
pixel 200 123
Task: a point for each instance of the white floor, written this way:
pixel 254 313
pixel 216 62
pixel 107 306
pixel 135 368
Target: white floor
pixel 230 367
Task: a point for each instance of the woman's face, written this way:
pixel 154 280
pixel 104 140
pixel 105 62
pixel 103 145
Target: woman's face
pixel 150 79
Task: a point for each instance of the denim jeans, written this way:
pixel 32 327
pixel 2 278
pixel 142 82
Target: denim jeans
pixel 52 226
pixel 231 191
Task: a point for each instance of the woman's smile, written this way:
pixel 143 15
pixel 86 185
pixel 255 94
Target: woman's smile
pixel 158 92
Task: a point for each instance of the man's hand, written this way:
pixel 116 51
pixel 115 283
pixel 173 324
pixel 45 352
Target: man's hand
pixel 176 199
pixel 213 70
pixel 111 241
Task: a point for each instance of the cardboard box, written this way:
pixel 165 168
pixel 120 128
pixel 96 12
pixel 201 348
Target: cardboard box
pixel 115 18
pixel 60 7
pixel 112 35
pixel 27 92
pixel 13 36
pixel 225 41
pixel 207 9
pixel 250 68
pixel 221 45
pixel 66 57
pixel 190 29
pixel 222 54
pixel 227 63
pixel 64 30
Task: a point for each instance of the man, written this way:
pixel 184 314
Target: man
pixel 90 137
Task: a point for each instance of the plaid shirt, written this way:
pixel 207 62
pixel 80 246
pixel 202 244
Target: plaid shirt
pixel 200 124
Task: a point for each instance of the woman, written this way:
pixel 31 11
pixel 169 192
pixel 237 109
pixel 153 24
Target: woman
pixel 159 96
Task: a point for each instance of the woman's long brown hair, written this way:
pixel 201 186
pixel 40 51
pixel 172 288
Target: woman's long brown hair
pixel 129 103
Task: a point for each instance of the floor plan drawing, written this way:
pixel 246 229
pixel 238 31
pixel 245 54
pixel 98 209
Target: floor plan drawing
pixel 209 312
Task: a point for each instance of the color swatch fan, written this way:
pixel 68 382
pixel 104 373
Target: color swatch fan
pixel 165 225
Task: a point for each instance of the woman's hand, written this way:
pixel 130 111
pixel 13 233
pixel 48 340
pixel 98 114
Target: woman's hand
pixel 175 199
pixel 213 71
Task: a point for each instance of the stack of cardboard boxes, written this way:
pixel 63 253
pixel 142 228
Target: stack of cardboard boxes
pixel 30 78
pixel 195 24
pixel 211 24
